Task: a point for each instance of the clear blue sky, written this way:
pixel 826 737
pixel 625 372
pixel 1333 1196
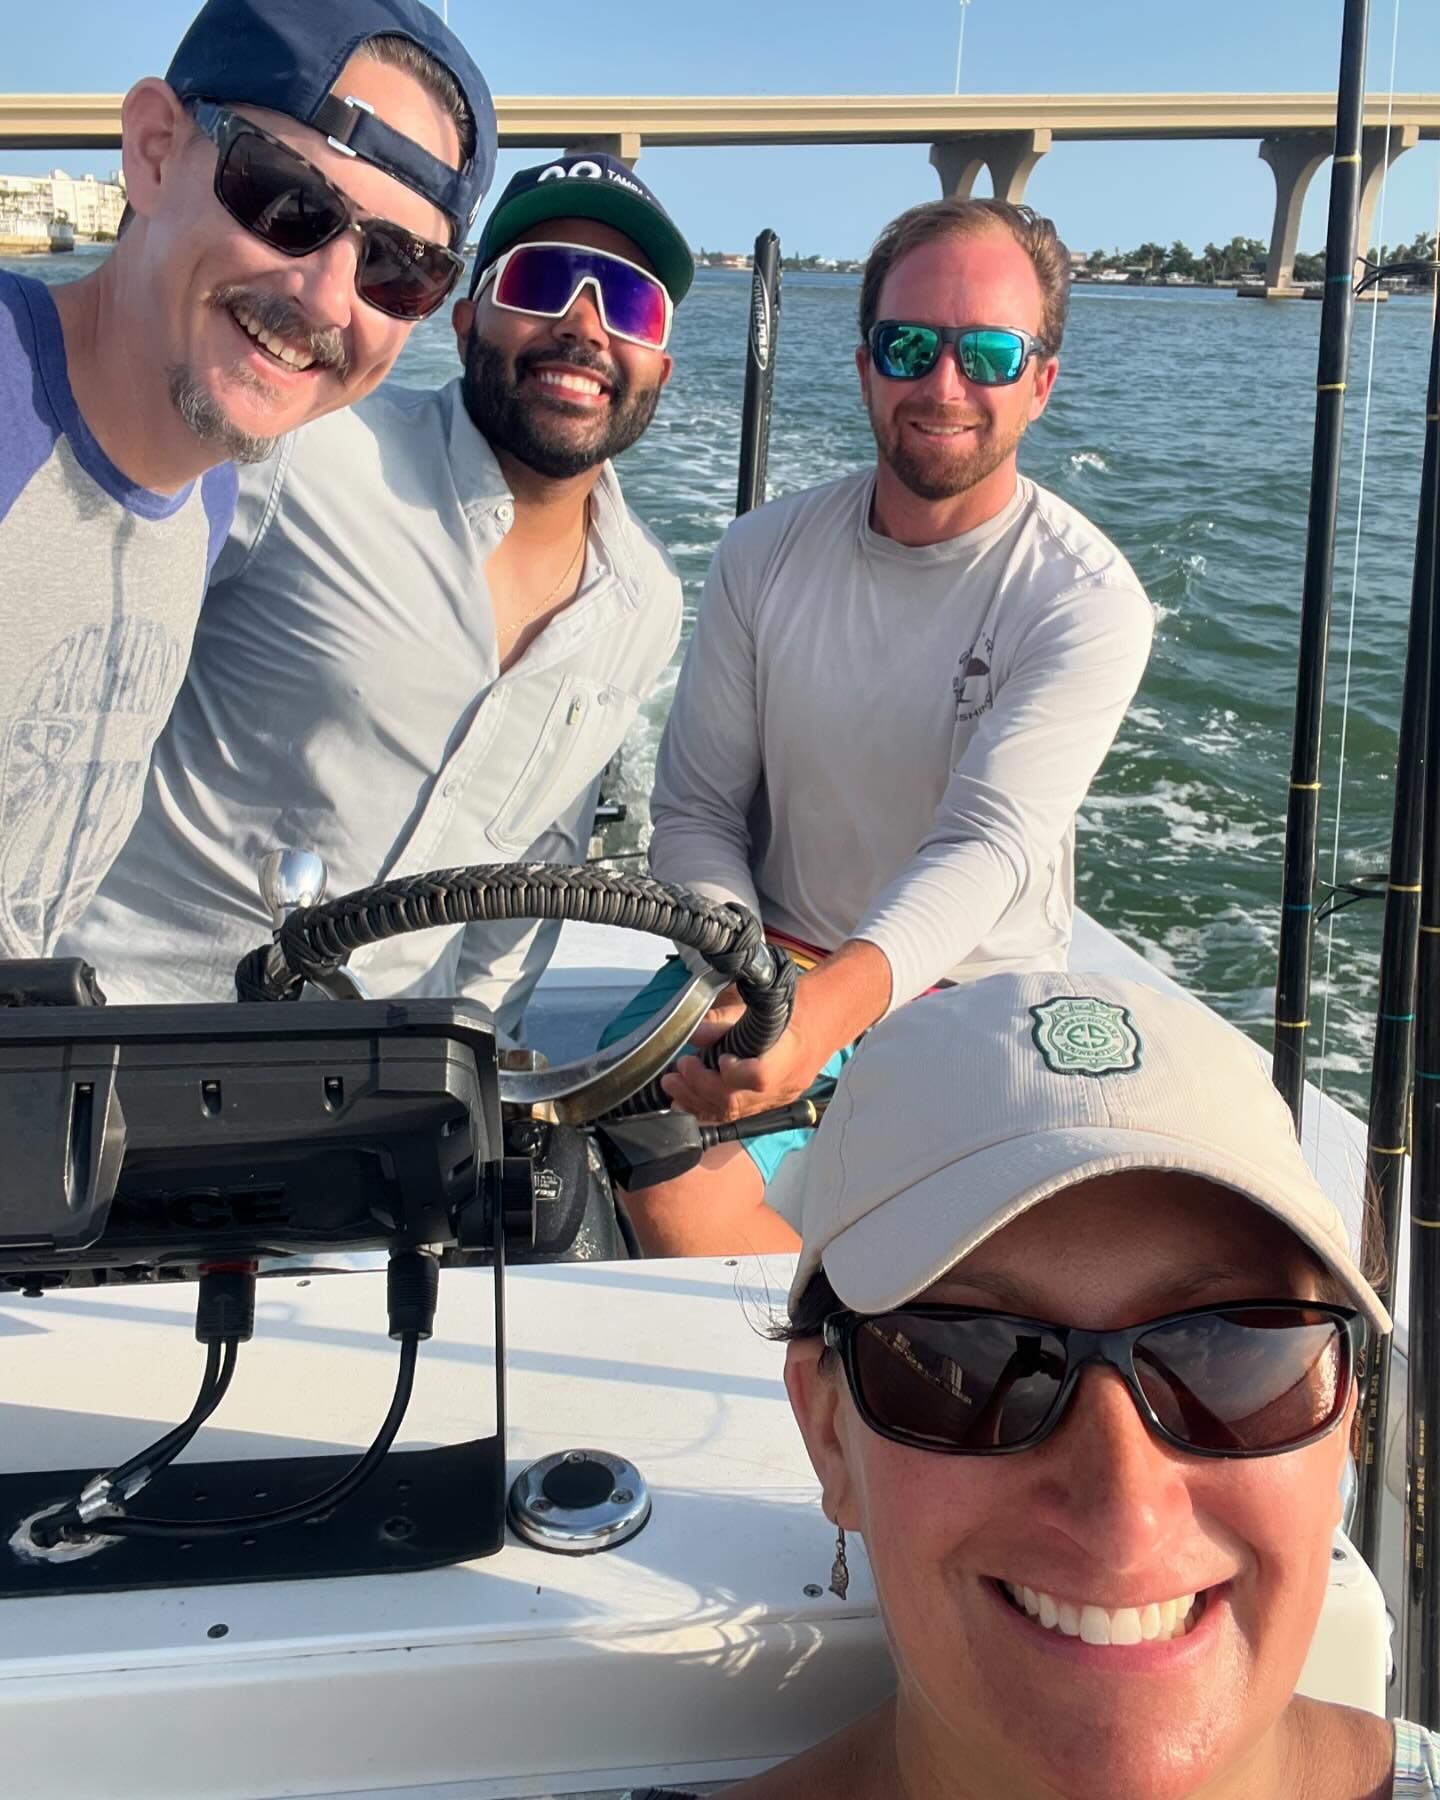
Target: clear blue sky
pixel 832 201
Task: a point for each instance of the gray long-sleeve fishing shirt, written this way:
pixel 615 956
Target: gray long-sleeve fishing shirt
pixel 872 740
pixel 344 696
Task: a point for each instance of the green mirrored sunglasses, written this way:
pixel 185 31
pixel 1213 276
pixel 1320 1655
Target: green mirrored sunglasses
pixel 988 355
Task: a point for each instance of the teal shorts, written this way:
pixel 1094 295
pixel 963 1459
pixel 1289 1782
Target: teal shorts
pixel 768 1152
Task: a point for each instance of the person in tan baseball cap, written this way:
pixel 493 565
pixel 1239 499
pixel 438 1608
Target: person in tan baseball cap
pixel 1000 1094
pixel 1073 1346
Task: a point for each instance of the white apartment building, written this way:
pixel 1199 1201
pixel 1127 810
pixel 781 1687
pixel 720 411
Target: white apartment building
pixel 92 206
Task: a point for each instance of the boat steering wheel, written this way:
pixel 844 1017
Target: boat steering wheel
pixel 313 937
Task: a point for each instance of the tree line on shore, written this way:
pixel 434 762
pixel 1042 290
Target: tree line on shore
pixel 1239 260
pixel 1242 259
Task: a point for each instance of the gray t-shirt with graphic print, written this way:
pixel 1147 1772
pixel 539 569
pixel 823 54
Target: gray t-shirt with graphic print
pixel 100 588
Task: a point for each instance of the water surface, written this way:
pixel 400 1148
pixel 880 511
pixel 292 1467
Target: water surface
pixel 1181 424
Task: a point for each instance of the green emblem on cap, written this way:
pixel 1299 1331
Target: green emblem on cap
pixel 1080 1035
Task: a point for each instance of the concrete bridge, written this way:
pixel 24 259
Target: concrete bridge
pixel 1004 133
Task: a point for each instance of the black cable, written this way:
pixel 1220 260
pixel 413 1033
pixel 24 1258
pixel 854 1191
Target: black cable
pixel 147 1463
pixel 299 1510
pixel 219 1369
pixel 226 1315
pixel 1386 271
pixel 1339 895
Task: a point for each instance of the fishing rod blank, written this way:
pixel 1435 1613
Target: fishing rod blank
pixel 1302 823
pixel 1392 1069
pixel 759 372
pixel 1420 1652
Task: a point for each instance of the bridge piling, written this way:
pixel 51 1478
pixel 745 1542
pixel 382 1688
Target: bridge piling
pixel 1010 157
pixel 624 146
pixel 1378 149
pixel 1294 161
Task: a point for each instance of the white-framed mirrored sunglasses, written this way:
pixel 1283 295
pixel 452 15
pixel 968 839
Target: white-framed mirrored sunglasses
pixel 546 279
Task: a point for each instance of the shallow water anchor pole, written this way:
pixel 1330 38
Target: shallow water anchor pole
pixel 1302 823
pixel 1392 1069
pixel 759 373
pixel 1420 1627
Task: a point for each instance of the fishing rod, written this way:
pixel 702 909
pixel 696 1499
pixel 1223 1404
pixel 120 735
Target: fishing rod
pixel 1420 1640
pixel 1392 1067
pixel 1302 822
pixel 759 372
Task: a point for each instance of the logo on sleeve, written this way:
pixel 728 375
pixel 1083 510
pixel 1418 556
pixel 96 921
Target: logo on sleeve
pixel 1078 1034
pixel 972 684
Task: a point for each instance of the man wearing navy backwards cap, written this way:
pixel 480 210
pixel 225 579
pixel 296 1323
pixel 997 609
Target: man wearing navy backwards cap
pixel 299 186
pixel 449 611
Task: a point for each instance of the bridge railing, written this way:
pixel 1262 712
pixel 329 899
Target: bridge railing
pixel 531 121
pixel 967 133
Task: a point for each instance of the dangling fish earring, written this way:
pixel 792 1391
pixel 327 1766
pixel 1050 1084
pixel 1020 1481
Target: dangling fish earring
pixel 840 1569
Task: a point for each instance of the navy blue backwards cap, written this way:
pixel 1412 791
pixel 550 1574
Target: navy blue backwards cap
pixel 587 185
pixel 287 55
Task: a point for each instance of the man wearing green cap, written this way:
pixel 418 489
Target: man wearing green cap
pixel 432 624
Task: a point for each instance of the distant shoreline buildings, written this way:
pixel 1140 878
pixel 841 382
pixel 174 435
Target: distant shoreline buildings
pixel 45 213
pixel 42 214
pixel 1238 264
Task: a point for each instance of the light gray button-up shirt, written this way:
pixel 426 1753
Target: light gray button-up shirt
pixel 344 696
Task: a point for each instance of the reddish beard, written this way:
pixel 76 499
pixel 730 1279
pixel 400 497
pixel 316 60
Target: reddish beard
pixel 941 470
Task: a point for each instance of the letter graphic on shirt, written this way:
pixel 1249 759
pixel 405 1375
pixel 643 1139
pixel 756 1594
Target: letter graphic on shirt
pixel 100 588
pixel 72 767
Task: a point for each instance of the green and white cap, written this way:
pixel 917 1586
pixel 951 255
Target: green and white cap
pixel 967 1107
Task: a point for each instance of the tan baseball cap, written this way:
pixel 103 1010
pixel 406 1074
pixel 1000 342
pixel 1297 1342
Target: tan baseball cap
pixel 966 1108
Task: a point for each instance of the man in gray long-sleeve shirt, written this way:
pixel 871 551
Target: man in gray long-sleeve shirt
pixel 898 692
pixel 431 626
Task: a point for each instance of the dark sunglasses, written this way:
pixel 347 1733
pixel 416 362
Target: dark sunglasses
pixel 545 280
pixel 288 204
pixel 988 355
pixel 1252 1379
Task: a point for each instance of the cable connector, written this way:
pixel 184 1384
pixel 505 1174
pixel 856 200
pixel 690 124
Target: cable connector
pixel 225 1305
pixel 95 1497
pixel 412 1288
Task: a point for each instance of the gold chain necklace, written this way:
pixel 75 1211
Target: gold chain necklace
pixel 517 625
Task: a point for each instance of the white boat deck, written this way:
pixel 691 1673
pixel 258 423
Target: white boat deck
pixel 705 1648
pixel 708 1644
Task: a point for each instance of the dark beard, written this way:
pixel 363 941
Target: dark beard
pixel 936 477
pixel 491 391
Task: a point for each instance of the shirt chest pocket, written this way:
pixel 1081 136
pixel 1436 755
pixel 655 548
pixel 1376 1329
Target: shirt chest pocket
pixel 573 728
